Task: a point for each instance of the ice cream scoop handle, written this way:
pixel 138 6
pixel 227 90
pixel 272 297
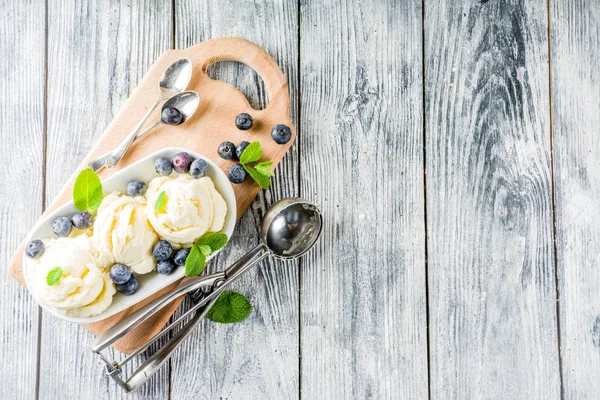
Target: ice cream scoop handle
pixel 131 321
pixel 157 360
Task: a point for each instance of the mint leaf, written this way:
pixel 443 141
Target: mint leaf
pixel 54 276
pixel 204 249
pixel 87 191
pixel 264 169
pixel 194 264
pixel 262 180
pixel 252 153
pixel 230 307
pixel 161 201
pixel 213 240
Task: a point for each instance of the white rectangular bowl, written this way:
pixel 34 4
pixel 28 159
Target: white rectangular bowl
pixel 152 282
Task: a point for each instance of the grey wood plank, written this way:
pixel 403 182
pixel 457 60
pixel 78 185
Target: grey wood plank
pixel 364 332
pixel 492 300
pixel 575 46
pixel 22 147
pixel 257 358
pixel 98 51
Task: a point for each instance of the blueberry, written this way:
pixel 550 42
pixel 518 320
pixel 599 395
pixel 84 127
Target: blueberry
pixel 119 274
pixel 162 250
pixel 35 249
pixel 82 220
pixel 62 226
pixel 182 162
pixel 236 173
pixel 136 188
pixel 281 134
pixel 226 150
pixel 199 168
pixel 240 149
pixel 165 267
pixel 163 166
pixel 181 256
pixel 243 121
pixel 171 116
pixel 129 287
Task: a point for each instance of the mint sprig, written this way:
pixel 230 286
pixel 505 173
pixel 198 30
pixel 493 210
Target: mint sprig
pixel 87 191
pixel 54 276
pixel 252 153
pixel 161 202
pixel 215 241
pixel 259 171
pixel 230 307
pixel 195 262
pixel 202 248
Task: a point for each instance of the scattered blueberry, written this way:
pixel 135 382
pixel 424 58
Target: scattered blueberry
pixel 240 149
pixel 181 256
pixel 82 220
pixel 162 250
pixel 164 267
pixel 128 287
pixel 226 150
pixel 199 168
pixel 119 274
pixel 182 162
pixel 62 226
pixel 281 134
pixel 163 166
pixel 136 188
pixel 236 173
pixel 35 249
pixel 171 116
pixel 243 121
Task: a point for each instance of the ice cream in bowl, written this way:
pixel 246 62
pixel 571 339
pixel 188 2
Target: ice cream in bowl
pixel 87 266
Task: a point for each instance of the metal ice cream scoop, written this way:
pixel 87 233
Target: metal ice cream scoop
pixel 289 229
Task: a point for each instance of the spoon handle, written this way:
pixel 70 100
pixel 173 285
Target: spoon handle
pixel 100 162
pixel 120 151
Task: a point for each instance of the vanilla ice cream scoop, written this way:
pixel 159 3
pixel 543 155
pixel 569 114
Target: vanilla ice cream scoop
pixel 192 207
pixel 82 278
pixel 122 234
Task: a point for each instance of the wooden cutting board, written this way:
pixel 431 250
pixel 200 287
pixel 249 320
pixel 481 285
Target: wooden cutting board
pixel 213 123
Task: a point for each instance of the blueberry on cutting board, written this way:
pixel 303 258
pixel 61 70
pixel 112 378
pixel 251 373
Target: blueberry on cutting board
pixel 281 134
pixel 236 173
pixel 240 149
pixel 243 121
pixel 226 150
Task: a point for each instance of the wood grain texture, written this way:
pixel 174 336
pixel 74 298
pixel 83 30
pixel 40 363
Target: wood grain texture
pixel 98 51
pixel 575 46
pixel 22 31
pixel 258 358
pixel 492 300
pixel 364 332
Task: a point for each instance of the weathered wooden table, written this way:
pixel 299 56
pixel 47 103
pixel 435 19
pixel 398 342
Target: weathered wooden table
pixel 454 148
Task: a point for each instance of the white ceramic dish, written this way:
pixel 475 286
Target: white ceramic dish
pixel 152 282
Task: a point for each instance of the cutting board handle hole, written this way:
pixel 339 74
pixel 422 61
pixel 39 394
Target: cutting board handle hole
pixel 244 78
